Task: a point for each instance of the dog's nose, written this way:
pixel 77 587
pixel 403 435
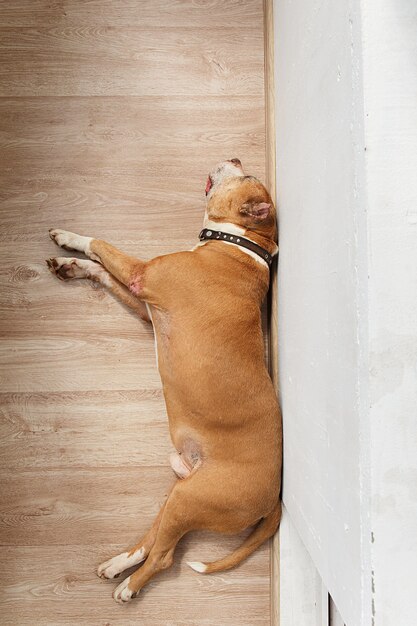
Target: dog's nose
pixel 236 162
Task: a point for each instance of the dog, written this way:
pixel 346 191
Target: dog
pixel 224 417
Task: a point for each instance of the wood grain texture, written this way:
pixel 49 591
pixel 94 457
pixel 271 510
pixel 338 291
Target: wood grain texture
pixel 111 114
pixel 126 13
pixel 108 60
pixel 66 590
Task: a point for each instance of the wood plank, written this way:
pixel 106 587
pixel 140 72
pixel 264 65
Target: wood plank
pixel 84 429
pixel 106 60
pixel 127 13
pixel 75 363
pixel 78 160
pixel 57 585
pixel 94 124
pixel 47 507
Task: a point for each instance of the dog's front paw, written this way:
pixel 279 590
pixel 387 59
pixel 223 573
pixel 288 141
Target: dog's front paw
pixel 66 268
pixel 122 593
pixel 70 241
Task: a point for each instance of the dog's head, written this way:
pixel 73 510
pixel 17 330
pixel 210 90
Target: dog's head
pixel 239 199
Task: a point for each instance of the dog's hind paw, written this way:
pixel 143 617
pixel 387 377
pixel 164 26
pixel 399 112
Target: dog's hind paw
pixel 122 593
pixel 113 567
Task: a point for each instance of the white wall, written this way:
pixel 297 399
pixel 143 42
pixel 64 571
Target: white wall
pixel 318 194
pixel 346 98
pixel 390 88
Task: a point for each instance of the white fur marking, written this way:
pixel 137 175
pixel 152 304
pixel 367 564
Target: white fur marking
pixel 233 229
pixel 104 277
pixel 227 169
pixel 122 593
pixel 148 308
pixel 197 566
pixel 227 227
pixel 73 241
pixel 120 562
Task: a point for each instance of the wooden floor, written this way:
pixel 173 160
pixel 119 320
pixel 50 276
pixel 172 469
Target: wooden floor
pixel 111 114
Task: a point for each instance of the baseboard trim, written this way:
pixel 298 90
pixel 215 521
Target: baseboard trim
pixel 270 163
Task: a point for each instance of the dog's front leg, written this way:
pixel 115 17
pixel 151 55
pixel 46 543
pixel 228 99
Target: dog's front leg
pixel 67 269
pixel 126 269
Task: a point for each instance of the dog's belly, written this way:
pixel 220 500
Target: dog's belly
pixel 188 456
pixel 211 417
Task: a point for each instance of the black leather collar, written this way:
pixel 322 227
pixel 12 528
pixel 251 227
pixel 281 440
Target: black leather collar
pixel 219 235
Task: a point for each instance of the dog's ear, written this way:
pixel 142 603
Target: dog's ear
pixel 258 211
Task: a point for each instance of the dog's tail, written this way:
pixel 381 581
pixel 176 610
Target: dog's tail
pixel 263 531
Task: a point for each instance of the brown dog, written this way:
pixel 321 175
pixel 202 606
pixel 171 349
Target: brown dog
pixel 223 412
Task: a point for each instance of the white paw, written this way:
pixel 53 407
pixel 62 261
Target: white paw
pixel 108 569
pixel 122 593
pixel 66 268
pixel 70 241
pixel 113 567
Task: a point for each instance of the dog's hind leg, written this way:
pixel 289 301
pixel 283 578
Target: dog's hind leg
pixel 69 268
pixel 186 509
pixel 204 500
pixel 170 530
pixel 113 567
pixel 116 565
